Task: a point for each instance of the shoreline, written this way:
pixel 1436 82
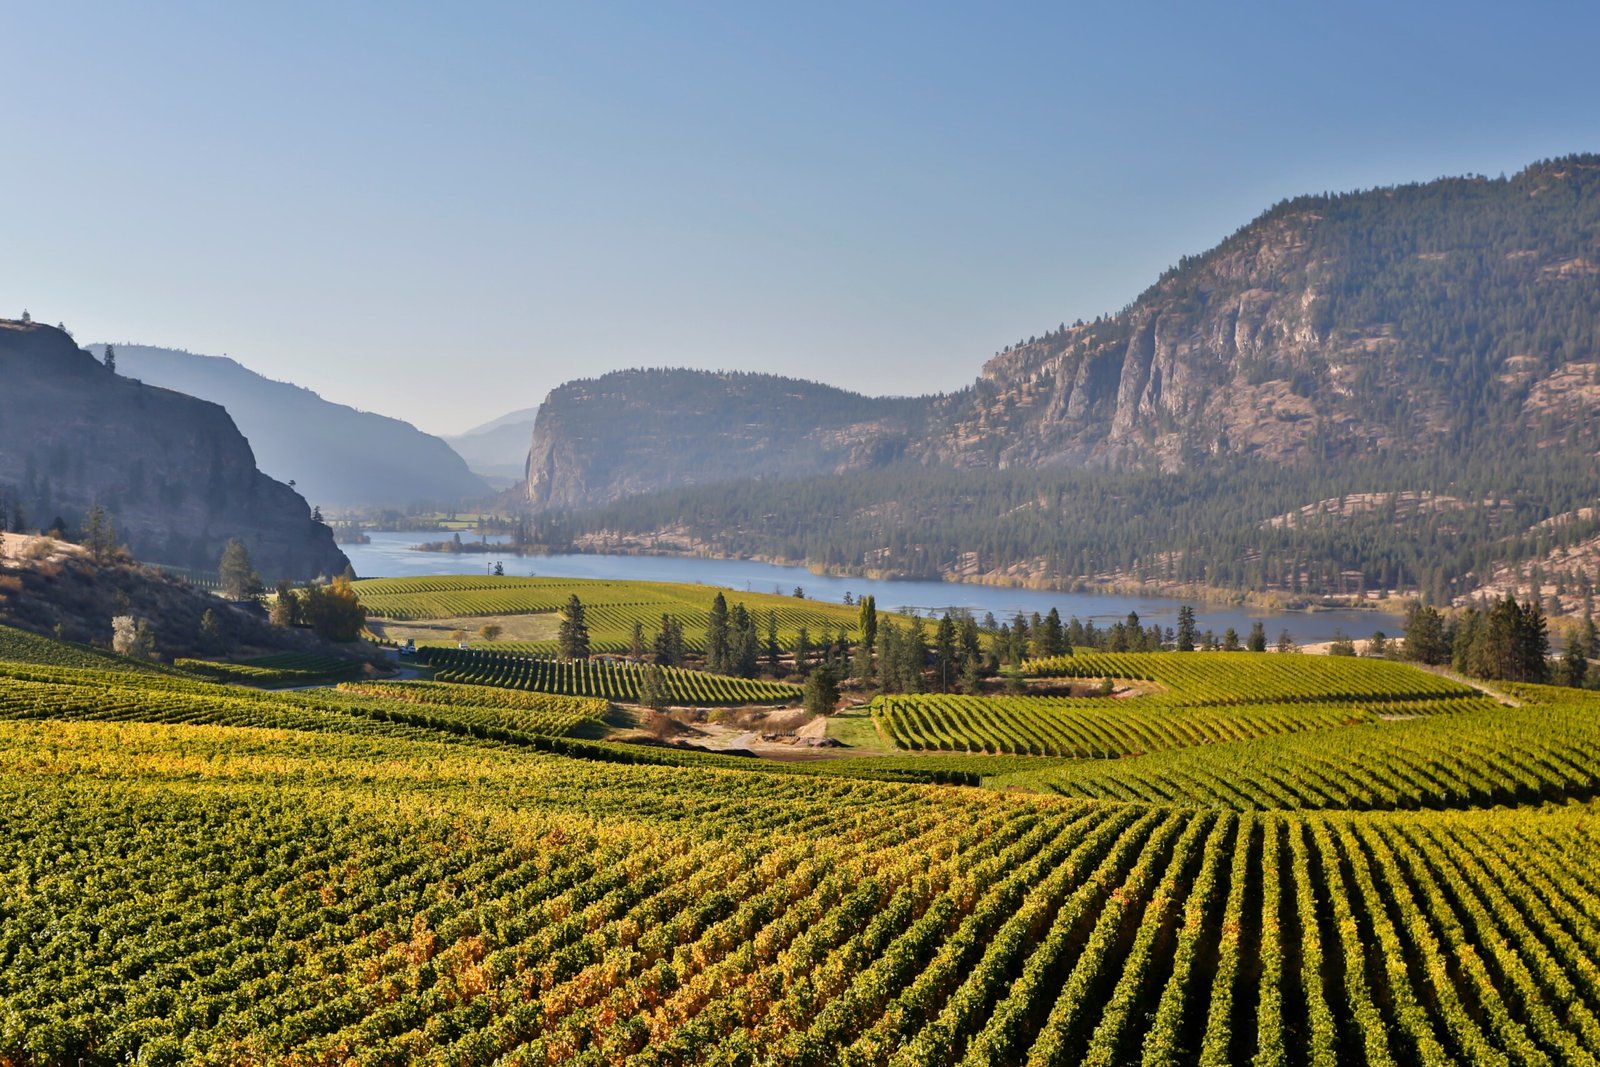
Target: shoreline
pixel 1199 595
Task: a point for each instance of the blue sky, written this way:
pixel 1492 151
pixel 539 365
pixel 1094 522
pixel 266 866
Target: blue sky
pixel 441 212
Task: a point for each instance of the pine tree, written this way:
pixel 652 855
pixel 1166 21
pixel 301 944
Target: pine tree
pixel 1574 666
pixel 944 653
pixel 773 651
pixel 1424 638
pixel 572 637
pixel 717 636
pixel 111 359
pixel 210 635
pixel 1051 636
pixel 1257 641
pixel 821 692
pixel 653 690
pixel 237 573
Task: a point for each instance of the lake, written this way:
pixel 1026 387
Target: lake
pixel 390 555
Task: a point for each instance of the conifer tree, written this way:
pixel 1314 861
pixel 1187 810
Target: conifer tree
pixel 717 636
pixel 572 637
pixel 1186 629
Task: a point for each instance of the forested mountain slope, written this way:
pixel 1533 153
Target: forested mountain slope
pixel 336 455
pixel 632 431
pixel 1428 317
pixel 1396 389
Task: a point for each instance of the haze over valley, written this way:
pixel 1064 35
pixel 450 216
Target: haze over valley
pixel 757 535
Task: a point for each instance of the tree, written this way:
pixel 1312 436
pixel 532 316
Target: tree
pixel 821 694
pixel 238 574
pixel 111 359
pixel 1286 642
pixel 1051 636
pixel 717 636
pixel 799 593
pixel 867 624
pixel 210 636
pixel 802 649
pixel 491 631
pixel 668 647
pixel 744 644
pixel 132 638
pixel 1424 637
pixel 1230 640
pixel 653 691
pixel 499 569
pixel 285 606
pixel 1574 666
pixel 773 651
pixel 1378 646
pixel 636 641
pixel 944 653
pixel 334 611
pixel 1257 641
pixel 1341 645
pixel 98 536
pixel 572 637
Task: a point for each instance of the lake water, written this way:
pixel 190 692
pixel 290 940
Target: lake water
pixel 390 555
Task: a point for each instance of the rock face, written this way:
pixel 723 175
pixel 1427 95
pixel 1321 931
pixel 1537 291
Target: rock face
pixel 1423 316
pixel 337 456
pixel 599 439
pixel 173 473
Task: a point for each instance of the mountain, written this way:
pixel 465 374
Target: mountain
pixel 173 472
pixel 336 455
pixel 599 439
pixel 498 450
pixel 1395 389
pixel 1419 317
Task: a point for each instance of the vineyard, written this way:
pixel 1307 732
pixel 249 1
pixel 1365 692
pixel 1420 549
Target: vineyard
pixel 282 669
pixel 398 872
pixel 1089 728
pixel 1200 699
pixel 1233 678
pixel 611 608
pixel 597 678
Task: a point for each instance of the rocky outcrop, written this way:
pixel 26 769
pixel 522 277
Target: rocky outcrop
pixel 599 439
pixel 174 474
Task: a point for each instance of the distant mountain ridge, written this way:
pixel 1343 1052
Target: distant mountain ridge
pixel 175 475
pixel 337 455
pixel 598 439
pixel 498 450
pixel 1421 317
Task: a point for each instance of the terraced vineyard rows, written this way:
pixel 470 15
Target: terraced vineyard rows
pixel 1096 728
pixel 597 678
pixel 1491 755
pixel 282 669
pixel 1231 678
pixel 611 608
pixel 423 901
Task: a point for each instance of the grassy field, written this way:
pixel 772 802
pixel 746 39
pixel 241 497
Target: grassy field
pixel 429 872
pixel 610 607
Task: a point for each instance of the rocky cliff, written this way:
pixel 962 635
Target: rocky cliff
pixel 1330 326
pixel 599 439
pixel 1455 314
pixel 173 472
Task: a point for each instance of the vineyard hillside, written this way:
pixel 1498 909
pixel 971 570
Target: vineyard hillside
pixel 397 872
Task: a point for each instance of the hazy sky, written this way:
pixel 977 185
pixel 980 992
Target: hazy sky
pixel 441 211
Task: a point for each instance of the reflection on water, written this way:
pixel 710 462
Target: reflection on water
pixel 390 555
